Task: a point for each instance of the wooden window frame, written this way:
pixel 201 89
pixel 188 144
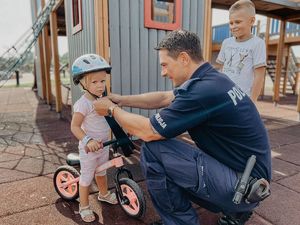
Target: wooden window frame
pixel 77 27
pixel 149 23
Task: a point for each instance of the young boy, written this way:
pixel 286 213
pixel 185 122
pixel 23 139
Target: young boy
pixel 243 56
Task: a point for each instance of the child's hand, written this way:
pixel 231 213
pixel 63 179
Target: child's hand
pixel 93 146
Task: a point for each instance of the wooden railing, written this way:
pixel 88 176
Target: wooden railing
pixel 221 32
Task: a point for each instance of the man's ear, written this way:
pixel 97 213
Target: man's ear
pixel 184 58
pixel 252 20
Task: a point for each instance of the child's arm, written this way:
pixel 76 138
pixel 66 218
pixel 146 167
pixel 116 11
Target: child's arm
pixel 259 74
pixel 76 122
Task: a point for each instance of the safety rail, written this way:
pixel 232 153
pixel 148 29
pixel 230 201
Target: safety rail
pixel 13 58
pixel 292 29
pixel 221 32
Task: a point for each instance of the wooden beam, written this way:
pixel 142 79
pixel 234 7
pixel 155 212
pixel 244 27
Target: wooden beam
pixel 287 58
pixel 53 26
pixel 216 47
pixel 292 18
pixel 41 55
pixel 297 86
pixel 47 60
pixel 288 40
pixel 267 39
pixel 101 32
pixel 207 46
pixel 57 5
pixel 279 56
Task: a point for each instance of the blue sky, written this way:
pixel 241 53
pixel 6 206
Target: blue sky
pixel 15 21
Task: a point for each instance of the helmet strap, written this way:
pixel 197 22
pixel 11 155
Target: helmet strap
pixel 93 95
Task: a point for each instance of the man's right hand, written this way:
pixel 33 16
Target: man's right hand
pixel 116 98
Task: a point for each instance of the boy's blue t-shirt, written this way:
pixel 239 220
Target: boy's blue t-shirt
pixel 220 118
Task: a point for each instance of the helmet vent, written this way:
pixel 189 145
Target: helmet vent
pixel 87 62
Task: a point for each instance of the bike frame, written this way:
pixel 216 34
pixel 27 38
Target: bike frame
pixel 117 162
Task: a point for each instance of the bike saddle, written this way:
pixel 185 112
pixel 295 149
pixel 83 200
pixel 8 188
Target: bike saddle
pixel 73 159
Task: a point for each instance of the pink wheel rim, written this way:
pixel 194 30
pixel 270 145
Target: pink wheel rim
pixel 134 206
pixel 63 177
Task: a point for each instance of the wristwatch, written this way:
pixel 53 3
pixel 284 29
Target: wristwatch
pixel 110 110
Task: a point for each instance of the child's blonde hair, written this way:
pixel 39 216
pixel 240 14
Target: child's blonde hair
pixel 243 4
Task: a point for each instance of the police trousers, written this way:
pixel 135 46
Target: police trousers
pixel 178 173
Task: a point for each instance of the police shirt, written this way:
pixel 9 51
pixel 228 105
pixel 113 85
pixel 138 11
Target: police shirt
pixel 220 118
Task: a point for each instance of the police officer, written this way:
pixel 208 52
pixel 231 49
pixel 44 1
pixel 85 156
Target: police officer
pixel 220 118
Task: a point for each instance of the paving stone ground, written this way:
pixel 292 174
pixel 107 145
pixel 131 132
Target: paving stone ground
pixel 35 140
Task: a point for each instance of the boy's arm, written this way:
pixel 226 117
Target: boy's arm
pixel 150 100
pixel 259 74
pixel 221 56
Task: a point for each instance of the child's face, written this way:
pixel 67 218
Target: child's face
pixel 95 82
pixel 240 23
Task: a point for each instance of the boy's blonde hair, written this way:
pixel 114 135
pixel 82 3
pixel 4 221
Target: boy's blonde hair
pixel 243 4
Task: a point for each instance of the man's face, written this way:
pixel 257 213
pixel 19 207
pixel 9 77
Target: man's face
pixel 172 68
pixel 240 23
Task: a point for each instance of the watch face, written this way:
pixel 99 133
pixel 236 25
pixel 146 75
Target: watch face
pixel 109 112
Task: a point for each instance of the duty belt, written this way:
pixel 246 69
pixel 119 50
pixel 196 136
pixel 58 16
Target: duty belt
pixel 250 189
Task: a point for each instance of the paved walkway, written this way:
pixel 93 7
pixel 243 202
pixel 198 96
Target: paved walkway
pixel 34 141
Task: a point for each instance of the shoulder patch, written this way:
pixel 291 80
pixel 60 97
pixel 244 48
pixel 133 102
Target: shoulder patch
pixel 185 86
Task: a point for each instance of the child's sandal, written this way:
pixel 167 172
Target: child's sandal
pixel 87 215
pixel 109 198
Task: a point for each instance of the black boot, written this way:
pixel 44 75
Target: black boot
pixel 235 219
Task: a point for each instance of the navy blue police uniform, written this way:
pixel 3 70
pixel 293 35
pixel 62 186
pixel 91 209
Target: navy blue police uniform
pixel 226 128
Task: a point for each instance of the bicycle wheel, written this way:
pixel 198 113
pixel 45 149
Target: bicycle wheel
pixel 62 175
pixel 136 205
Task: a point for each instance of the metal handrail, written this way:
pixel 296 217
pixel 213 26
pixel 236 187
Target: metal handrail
pixel 21 49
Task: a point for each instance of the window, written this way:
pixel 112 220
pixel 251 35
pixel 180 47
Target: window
pixel 163 14
pixel 76 16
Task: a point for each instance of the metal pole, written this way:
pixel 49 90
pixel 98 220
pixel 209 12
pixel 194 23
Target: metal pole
pixel 17 77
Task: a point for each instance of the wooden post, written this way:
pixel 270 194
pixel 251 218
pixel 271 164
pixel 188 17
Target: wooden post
pixel 53 27
pixel 279 56
pixel 17 78
pixel 267 39
pixel 297 87
pixel 42 61
pixel 47 58
pixel 287 59
pixel 207 38
pixel 102 37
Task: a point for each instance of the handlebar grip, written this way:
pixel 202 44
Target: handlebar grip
pixel 109 142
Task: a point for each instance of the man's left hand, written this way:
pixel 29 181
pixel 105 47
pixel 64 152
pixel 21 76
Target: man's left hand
pixel 101 106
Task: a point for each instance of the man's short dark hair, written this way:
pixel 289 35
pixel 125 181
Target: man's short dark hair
pixel 182 41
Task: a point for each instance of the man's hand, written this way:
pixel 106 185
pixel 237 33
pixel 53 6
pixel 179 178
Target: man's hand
pixel 101 106
pixel 116 98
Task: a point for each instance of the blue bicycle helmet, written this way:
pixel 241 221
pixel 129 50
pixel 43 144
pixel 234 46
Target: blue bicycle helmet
pixel 86 64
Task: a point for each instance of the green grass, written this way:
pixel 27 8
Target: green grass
pixel 20 86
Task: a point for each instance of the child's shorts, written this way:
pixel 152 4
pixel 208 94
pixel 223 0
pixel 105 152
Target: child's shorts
pixel 89 162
